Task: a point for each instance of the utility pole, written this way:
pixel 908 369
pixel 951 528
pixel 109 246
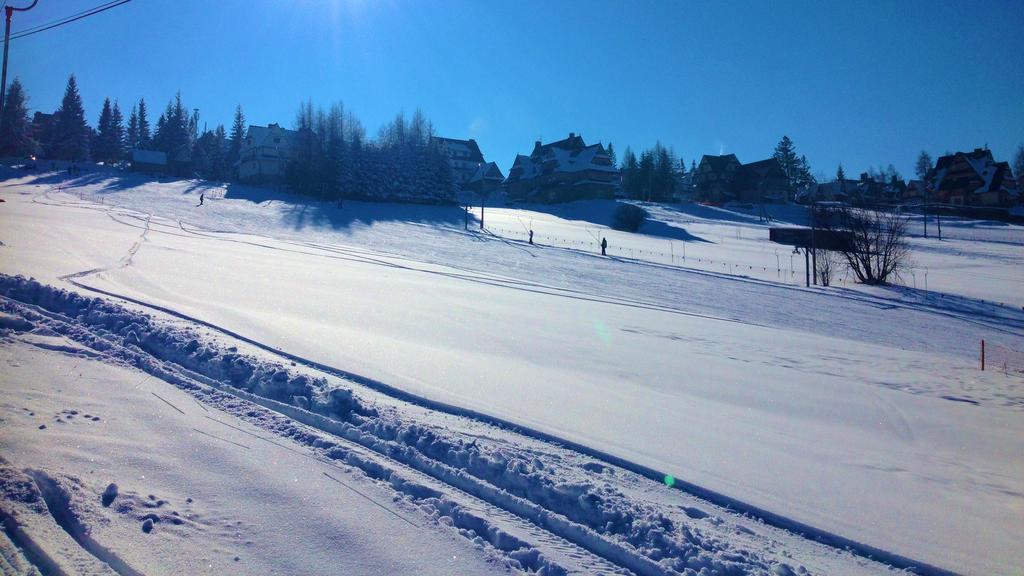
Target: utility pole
pixel 8 12
pixel 814 224
pixel 482 197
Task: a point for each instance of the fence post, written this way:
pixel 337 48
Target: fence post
pixel 982 354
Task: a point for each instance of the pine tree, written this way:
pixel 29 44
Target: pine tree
pixel 237 137
pixel 173 134
pixel 15 130
pixel 804 177
pixel 611 154
pixel 923 166
pixel 145 140
pixel 72 131
pixel 664 173
pixel 132 132
pixel 630 174
pixel 218 158
pixel 103 149
pixel 118 134
pixel 797 169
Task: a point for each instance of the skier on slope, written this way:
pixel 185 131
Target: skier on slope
pixel 604 246
pixel 531 236
pixel 201 196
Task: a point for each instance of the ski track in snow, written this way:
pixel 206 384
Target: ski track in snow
pixel 636 564
pixel 474 501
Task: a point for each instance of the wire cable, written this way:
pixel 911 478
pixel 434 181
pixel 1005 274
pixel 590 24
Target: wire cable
pixel 68 19
pixel 38 26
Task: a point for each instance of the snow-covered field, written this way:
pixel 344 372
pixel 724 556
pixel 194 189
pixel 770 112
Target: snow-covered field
pixel 856 416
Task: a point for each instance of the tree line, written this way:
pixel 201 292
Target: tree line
pixel 331 157
pixel 656 174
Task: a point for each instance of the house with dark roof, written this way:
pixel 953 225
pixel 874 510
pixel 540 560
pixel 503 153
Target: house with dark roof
pixel 486 179
pixel 563 171
pixel 974 179
pixel 265 153
pixel 761 181
pixel 721 179
pixel 464 157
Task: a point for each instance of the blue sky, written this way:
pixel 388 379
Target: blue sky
pixel 863 83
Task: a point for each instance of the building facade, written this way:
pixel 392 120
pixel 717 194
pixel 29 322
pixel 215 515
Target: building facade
pixel 563 171
pixel 265 153
pixel 464 157
pixel 974 179
pixel 721 179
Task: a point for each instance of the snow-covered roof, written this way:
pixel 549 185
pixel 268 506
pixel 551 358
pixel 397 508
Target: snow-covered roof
pixel 993 175
pixel 579 160
pixel 564 156
pixel 462 149
pixel 262 135
pixel 490 171
pixel 149 157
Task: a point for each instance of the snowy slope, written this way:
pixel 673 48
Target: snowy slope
pixel 524 503
pixel 766 393
pixel 223 501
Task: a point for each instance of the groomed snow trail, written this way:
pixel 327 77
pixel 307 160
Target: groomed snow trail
pixel 539 522
pixel 108 279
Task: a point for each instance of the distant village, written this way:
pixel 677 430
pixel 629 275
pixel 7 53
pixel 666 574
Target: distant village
pixel 328 155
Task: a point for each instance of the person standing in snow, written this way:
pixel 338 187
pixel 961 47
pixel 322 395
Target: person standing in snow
pixel 604 246
pixel 531 236
pixel 201 196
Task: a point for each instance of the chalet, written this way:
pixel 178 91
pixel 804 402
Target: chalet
pixel 464 157
pixel 486 179
pixel 562 171
pixel 761 181
pixel 714 178
pixel 265 153
pixel 721 179
pixel 974 179
pixel 148 161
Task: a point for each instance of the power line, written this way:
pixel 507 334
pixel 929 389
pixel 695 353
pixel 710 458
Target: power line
pixel 38 26
pixel 68 19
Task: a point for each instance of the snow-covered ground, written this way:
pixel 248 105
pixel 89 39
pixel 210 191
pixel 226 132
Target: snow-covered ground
pixel 854 413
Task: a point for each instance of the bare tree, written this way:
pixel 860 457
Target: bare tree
pixel 878 251
pixel 828 265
